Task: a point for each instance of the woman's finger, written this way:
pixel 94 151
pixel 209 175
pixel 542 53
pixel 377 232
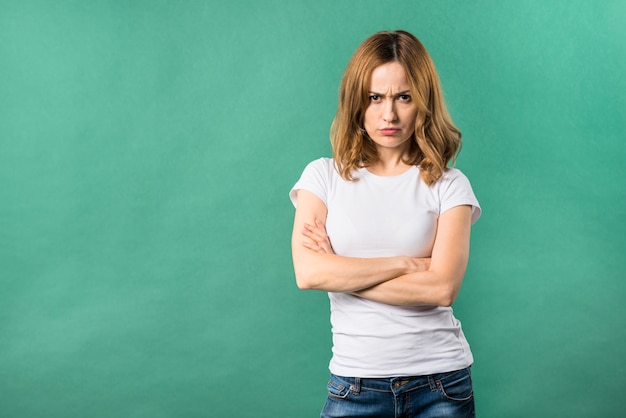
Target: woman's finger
pixel 314 247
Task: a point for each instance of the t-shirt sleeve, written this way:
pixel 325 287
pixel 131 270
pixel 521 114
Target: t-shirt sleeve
pixel 456 190
pixel 314 179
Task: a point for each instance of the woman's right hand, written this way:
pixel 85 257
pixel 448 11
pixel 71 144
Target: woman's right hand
pixel 319 238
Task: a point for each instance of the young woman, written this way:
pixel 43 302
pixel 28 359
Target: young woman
pixel 384 228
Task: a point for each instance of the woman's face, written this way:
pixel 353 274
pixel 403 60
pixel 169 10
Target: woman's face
pixel 391 113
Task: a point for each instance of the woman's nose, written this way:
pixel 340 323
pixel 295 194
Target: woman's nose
pixel 389 113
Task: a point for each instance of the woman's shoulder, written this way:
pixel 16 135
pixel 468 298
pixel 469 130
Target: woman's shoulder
pixel 324 165
pixel 452 174
pixel 323 162
pixel 316 178
pixel 451 179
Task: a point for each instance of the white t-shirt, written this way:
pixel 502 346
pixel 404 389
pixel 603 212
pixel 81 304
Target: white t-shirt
pixel 384 216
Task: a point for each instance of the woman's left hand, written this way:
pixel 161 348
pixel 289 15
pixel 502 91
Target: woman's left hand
pixel 319 239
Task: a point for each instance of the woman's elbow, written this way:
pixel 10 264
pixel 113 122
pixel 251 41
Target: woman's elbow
pixel 447 295
pixel 306 268
pixel 447 284
pixel 309 272
pixel 304 280
pixel 303 284
pixel 446 301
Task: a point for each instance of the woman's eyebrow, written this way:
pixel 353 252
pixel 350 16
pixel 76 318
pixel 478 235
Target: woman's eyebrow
pixel 402 93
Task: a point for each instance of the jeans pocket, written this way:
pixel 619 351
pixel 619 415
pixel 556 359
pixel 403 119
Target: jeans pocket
pixel 338 389
pixel 457 386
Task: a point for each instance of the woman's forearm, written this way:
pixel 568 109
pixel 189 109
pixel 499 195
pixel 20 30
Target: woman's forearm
pixel 441 282
pixel 426 288
pixel 317 267
pixel 333 273
pixel 425 281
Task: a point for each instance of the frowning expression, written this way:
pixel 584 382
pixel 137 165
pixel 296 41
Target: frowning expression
pixel 391 113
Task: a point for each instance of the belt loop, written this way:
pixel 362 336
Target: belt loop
pixel 356 388
pixel 432 383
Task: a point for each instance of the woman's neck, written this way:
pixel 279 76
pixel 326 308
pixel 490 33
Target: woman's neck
pixel 390 163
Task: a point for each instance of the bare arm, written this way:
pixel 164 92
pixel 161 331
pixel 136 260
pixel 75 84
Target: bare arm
pixel 440 284
pixel 318 269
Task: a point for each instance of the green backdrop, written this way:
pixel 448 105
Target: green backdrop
pixel 146 153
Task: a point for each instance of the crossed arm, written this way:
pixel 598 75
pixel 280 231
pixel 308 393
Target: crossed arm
pixel 393 280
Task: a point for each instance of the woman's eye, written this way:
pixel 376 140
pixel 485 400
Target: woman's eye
pixel 374 97
pixel 405 97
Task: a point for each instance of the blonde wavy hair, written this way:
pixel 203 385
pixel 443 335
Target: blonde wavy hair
pixel 435 141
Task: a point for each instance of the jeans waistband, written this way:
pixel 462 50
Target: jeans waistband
pixel 395 384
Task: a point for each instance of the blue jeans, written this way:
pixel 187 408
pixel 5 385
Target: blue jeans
pixel 438 395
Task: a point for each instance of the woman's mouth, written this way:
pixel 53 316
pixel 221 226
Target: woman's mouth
pixel 389 131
